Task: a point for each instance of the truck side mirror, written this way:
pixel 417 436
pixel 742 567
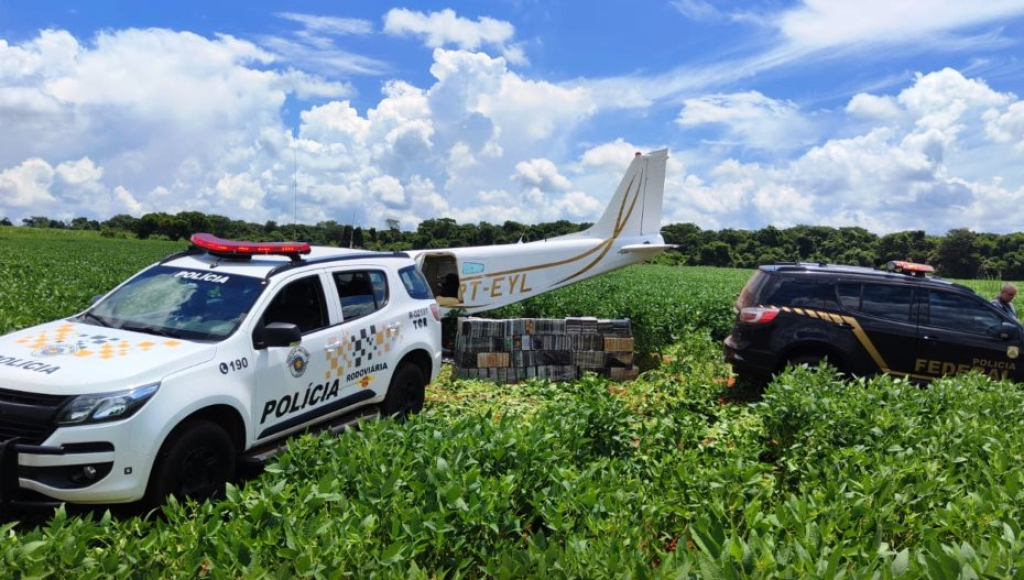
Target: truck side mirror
pixel 1008 330
pixel 277 334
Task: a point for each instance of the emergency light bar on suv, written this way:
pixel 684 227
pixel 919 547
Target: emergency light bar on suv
pixel 237 249
pixel 910 268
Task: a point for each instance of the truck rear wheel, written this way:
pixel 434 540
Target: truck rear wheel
pixel 813 360
pixel 810 359
pixel 405 393
pixel 195 462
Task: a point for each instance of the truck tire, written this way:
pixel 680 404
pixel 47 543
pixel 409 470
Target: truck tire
pixel 405 393
pixel 195 462
pixel 813 360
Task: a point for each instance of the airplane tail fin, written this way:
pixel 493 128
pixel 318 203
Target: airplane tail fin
pixel 635 209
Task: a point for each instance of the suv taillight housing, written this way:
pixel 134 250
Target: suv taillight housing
pixel 758 314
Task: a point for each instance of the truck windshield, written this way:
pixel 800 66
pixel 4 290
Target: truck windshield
pixel 189 304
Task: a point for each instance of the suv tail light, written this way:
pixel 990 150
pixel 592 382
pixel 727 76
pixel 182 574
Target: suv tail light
pixel 758 314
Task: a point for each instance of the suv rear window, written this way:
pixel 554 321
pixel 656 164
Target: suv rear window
pixel 414 283
pixel 799 292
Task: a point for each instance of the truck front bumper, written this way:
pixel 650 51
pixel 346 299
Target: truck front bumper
pixel 77 465
pixel 12 497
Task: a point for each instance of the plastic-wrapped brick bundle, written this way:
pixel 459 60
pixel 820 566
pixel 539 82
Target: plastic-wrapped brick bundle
pixel 518 349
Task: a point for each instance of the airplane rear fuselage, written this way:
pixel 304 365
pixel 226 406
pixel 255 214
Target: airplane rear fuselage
pixel 481 278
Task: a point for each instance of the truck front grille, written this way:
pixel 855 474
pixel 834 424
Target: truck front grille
pixel 28 416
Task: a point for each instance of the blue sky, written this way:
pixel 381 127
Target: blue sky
pixel 884 114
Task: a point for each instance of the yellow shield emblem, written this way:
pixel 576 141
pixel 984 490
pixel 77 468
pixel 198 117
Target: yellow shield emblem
pixel 1012 351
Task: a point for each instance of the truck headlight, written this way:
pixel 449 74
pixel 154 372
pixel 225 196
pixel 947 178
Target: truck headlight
pixel 106 407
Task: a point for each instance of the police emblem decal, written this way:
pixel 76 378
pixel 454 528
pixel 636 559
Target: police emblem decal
pixel 298 360
pixel 58 349
pixel 1012 351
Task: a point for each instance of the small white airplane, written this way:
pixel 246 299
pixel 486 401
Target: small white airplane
pixel 480 278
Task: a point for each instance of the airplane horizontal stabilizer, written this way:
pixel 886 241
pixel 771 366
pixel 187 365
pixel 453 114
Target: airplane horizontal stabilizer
pixel 646 248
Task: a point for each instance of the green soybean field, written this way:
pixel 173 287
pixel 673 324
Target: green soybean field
pixel 679 474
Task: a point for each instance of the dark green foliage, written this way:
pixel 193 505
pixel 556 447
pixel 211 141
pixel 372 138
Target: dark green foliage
pixel 49 274
pixel 960 254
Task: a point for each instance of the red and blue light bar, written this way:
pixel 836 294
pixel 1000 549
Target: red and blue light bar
pixel 234 248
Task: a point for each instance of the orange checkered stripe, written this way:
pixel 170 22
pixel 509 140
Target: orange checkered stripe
pixel 89 345
pixel 344 354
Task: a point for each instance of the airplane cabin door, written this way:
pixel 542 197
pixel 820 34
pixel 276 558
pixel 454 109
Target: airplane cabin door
pixel 442 273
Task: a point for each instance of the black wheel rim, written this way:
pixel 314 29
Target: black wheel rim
pixel 409 401
pixel 199 475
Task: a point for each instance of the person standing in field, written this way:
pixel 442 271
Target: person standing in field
pixel 1004 301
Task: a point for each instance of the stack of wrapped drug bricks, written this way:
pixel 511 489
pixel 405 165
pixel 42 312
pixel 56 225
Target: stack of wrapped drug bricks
pixel 513 350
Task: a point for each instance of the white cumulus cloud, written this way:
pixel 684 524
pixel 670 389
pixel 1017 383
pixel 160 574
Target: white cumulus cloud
pixel 827 23
pixel 27 185
pixel 750 119
pixel 446 28
pixel 542 174
pixel 388 190
pixel 935 160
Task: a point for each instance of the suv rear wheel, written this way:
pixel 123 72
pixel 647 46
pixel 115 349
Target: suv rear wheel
pixel 811 359
pixel 405 393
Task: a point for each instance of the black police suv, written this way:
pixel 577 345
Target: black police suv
pixel 864 321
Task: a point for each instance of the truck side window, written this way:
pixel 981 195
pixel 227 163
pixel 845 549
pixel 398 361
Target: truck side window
pixel 301 303
pixel 414 282
pixel 947 310
pixel 849 296
pixel 361 292
pixel 888 301
pixel 801 293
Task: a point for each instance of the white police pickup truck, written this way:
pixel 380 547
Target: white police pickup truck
pixel 209 357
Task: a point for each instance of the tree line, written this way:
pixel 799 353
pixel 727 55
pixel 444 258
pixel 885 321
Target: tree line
pixel 961 253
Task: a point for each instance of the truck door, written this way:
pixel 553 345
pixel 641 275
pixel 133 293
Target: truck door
pixel 884 323
pixel 362 350
pixel 961 333
pixel 291 390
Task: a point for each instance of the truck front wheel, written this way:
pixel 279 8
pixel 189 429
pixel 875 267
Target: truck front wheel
pixel 405 393
pixel 195 462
